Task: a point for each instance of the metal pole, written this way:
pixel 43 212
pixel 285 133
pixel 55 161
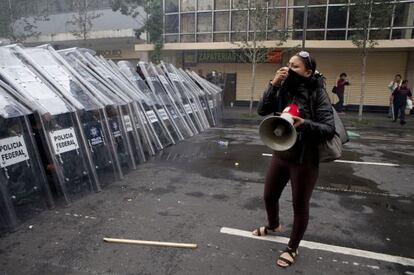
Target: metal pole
pixel 305 24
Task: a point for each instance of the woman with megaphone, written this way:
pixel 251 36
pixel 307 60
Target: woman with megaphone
pixel 297 94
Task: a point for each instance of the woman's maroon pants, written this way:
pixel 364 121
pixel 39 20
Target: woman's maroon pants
pixel 302 177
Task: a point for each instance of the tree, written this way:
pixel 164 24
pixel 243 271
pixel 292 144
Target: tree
pixel 82 18
pixel 152 23
pixel 16 23
pixel 369 18
pixel 251 44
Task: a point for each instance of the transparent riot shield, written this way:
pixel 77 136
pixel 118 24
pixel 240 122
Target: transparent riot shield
pixel 170 101
pixel 115 77
pixel 203 95
pixel 115 110
pixel 23 185
pixel 56 127
pixel 217 102
pixel 186 100
pixel 160 89
pixel 135 128
pixel 155 85
pixel 179 109
pixel 89 111
pixel 195 98
pixel 152 117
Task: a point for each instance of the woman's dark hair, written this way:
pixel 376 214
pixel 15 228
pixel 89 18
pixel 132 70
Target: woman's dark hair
pixel 343 74
pixel 309 61
pixel 405 81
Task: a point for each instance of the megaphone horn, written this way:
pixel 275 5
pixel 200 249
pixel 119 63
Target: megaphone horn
pixel 278 132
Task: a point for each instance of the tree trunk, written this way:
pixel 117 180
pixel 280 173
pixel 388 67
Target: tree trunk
pixel 362 94
pixel 252 86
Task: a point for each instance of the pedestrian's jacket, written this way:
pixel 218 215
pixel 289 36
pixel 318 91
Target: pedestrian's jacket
pixel 314 107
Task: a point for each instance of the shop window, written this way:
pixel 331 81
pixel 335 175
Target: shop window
pixel 221 21
pixel 295 18
pixel 187 23
pixel 240 4
pixel 171 38
pixel 171 5
pixel 316 18
pixel 402 33
pixel 221 37
pixel 381 19
pixel 337 17
pixel 276 19
pixel 297 35
pixel 187 5
pixel 335 35
pixel 310 2
pixel 239 21
pixel 258 3
pixel 205 5
pixel 205 37
pixel 258 19
pixel 171 23
pixel 338 1
pixel 403 17
pixel 315 35
pixel 278 35
pixel 379 34
pixel 221 4
pixel 277 3
pixel 187 38
pixel 259 36
pixel 239 36
pixel 204 23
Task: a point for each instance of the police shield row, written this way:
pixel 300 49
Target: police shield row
pixel 72 122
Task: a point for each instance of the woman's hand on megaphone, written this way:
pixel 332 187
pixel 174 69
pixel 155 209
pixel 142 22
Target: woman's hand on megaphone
pixel 297 121
pixel 280 75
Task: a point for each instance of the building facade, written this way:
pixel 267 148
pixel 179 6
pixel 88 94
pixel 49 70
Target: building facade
pixel 199 34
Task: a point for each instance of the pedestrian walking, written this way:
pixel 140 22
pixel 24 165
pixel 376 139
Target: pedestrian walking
pixel 315 124
pixel 391 87
pixel 399 101
pixel 340 92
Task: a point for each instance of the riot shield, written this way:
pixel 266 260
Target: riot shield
pixel 203 95
pixel 195 98
pixel 169 109
pixel 217 102
pixel 161 91
pixel 55 125
pixel 115 109
pixel 186 100
pixel 149 102
pixel 116 77
pixel 166 105
pixel 89 112
pixel 23 185
pixel 135 124
pixel 176 101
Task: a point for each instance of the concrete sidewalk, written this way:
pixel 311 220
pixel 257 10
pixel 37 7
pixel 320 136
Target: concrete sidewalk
pixel 241 115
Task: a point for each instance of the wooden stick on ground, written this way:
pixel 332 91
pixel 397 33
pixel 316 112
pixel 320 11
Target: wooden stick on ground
pixel 151 243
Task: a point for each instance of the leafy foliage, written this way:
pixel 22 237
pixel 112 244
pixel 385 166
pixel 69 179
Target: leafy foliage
pixel 152 24
pixel 82 18
pixel 367 14
pixel 15 23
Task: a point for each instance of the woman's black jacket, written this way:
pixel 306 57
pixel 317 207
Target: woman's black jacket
pixel 314 107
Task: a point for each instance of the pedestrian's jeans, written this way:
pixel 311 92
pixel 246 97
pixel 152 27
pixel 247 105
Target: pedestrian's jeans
pixel 399 108
pixel 339 106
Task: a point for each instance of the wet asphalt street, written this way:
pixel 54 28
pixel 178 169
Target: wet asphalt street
pixel 189 191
